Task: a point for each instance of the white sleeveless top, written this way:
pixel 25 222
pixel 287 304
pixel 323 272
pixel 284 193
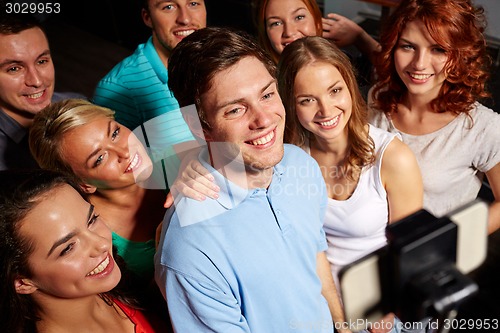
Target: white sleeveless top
pixel 356 226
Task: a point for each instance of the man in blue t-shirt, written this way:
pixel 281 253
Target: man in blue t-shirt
pixel 252 260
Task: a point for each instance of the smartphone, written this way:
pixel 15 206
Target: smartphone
pixel 364 284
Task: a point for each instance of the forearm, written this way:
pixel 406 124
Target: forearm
pixel 494 217
pixel 494 210
pixel 329 290
pixel 199 306
pixel 335 306
pixel 367 44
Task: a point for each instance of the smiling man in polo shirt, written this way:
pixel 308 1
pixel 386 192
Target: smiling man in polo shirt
pixel 137 87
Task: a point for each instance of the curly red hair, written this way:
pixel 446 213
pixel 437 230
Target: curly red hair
pixel 457 27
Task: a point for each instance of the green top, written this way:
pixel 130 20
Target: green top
pixel 137 255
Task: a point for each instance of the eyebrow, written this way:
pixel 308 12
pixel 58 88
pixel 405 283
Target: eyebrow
pixel 17 62
pixel 70 235
pixel 412 43
pixel 44 54
pixel 402 39
pixel 329 88
pixel 278 18
pixel 335 83
pixel 96 151
pixel 239 100
pixel 159 2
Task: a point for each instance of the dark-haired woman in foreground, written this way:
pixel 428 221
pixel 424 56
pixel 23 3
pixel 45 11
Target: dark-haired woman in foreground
pixel 59 272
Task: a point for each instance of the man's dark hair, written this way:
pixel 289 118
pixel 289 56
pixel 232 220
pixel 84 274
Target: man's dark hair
pixel 11 24
pixel 144 4
pixel 200 56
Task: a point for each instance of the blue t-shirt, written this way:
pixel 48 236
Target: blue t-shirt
pixel 246 262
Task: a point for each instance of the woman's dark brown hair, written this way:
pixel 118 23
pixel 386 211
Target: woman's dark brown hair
pixel 20 192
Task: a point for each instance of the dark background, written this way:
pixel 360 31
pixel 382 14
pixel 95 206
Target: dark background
pixel 102 32
pixel 88 38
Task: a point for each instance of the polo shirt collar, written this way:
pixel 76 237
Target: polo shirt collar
pixel 230 195
pixel 155 61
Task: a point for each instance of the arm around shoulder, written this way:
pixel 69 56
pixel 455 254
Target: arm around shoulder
pixel 402 180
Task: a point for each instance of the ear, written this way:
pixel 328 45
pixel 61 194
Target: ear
pixel 146 18
pixel 25 286
pixel 87 188
pixel 207 136
pixel 194 123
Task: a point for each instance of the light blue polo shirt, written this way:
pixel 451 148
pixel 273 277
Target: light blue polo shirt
pixel 247 261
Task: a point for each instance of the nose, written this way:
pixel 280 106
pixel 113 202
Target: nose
pixel 183 16
pixel 289 29
pixel 33 78
pixel 420 60
pixel 325 105
pixel 121 149
pixel 98 244
pixel 261 118
pixel 123 153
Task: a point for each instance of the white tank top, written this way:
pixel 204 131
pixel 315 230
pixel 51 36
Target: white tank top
pixel 356 226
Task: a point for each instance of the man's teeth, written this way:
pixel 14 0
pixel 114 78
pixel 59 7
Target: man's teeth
pixel 184 33
pixel 37 95
pixel 134 162
pixel 263 140
pixel 420 76
pixel 330 122
pixel 102 266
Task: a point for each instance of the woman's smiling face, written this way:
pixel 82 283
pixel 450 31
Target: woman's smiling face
pixel 420 62
pixel 322 100
pixel 72 247
pixel 287 21
pixel 106 154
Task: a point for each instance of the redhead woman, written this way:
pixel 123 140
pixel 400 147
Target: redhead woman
pixel 432 72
